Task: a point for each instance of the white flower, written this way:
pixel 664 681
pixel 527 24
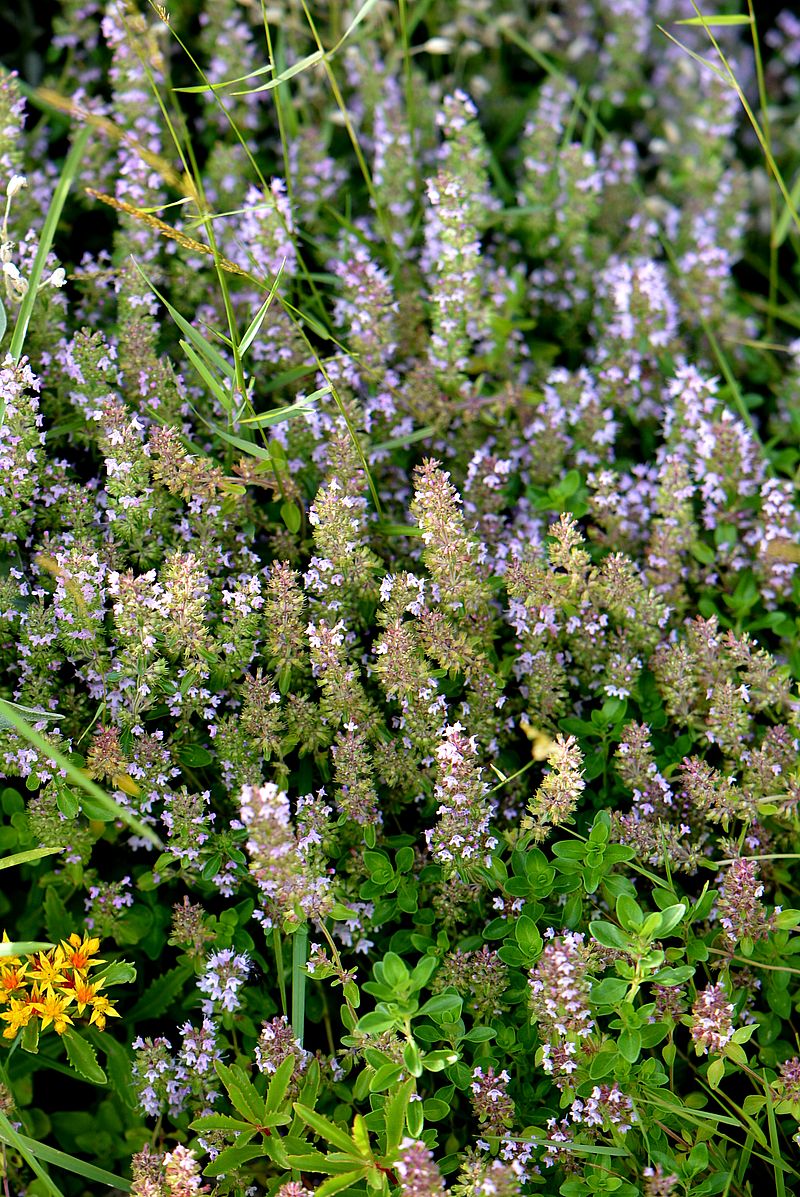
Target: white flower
pixel 14 185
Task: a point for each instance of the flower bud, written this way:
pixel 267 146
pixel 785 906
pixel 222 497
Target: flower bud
pixel 14 185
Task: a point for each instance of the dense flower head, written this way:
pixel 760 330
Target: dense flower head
pixel 712 1020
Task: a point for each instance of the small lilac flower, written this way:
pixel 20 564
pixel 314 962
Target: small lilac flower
pixel 224 976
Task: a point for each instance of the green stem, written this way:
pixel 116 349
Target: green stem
pixel 299 958
pixel 278 946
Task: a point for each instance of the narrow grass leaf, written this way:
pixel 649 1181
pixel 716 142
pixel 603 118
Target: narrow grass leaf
pixel 30 1151
pixel 715 22
pixel 68 174
pixel 209 351
pixel 32 854
pixel 278 414
pixel 297 69
pixel 198 88
pixel 252 331
pixel 79 778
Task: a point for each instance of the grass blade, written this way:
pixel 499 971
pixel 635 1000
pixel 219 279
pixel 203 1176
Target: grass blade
pixel 68 173
pixel 30 1151
pixel 78 778
pixel 51 1155
pixel 21 858
pixel 303 65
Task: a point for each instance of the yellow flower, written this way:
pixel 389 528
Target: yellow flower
pixel 78 953
pixel 101 1010
pixel 50 968
pixel 52 1009
pixel 9 960
pixel 12 980
pixel 85 992
pixel 19 1015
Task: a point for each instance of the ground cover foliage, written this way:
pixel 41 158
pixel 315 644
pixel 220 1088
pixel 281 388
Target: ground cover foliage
pixel 398 601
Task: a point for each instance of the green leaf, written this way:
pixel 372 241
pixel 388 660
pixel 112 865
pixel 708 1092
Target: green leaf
pixel 161 995
pixel 118 1065
pixel 83 1057
pixel 385 1077
pixel 118 972
pixel 220 1122
pixel 671 917
pixel 57 921
pixel 609 936
pixel 630 1045
pixel 30 1037
pixel 205 347
pixel 375 1023
pixel 33 714
pixel 363 12
pixel 51 1155
pixel 223 394
pixel 69 172
pixel 68 803
pixel 334 1184
pixel 242 1092
pixel 412 1058
pixel 325 1128
pixel 195 756
pixel 629 912
pixel 30 1151
pixel 201 87
pixel 279 1084
pixel 301 65
pixel 23 947
pixel 278 414
pixel 528 937
pixel 232 1157
pixel 442 1003
pixel 291 516
pixel 717 21
pixel 394 1113
pixel 609 992
pixel 255 324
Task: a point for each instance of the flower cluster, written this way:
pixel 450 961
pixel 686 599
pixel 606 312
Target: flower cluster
pixel 54 987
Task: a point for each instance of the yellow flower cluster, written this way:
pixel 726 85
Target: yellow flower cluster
pixel 53 986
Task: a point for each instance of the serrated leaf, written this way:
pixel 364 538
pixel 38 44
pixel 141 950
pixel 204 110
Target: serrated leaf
pixel 242 1092
pixel 161 994
pixel 279 1084
pixel 220 1122
pixel 232 1157
pixel 326 1129
pixel 394 1113
pixel 83 1057
pixel 334 1184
